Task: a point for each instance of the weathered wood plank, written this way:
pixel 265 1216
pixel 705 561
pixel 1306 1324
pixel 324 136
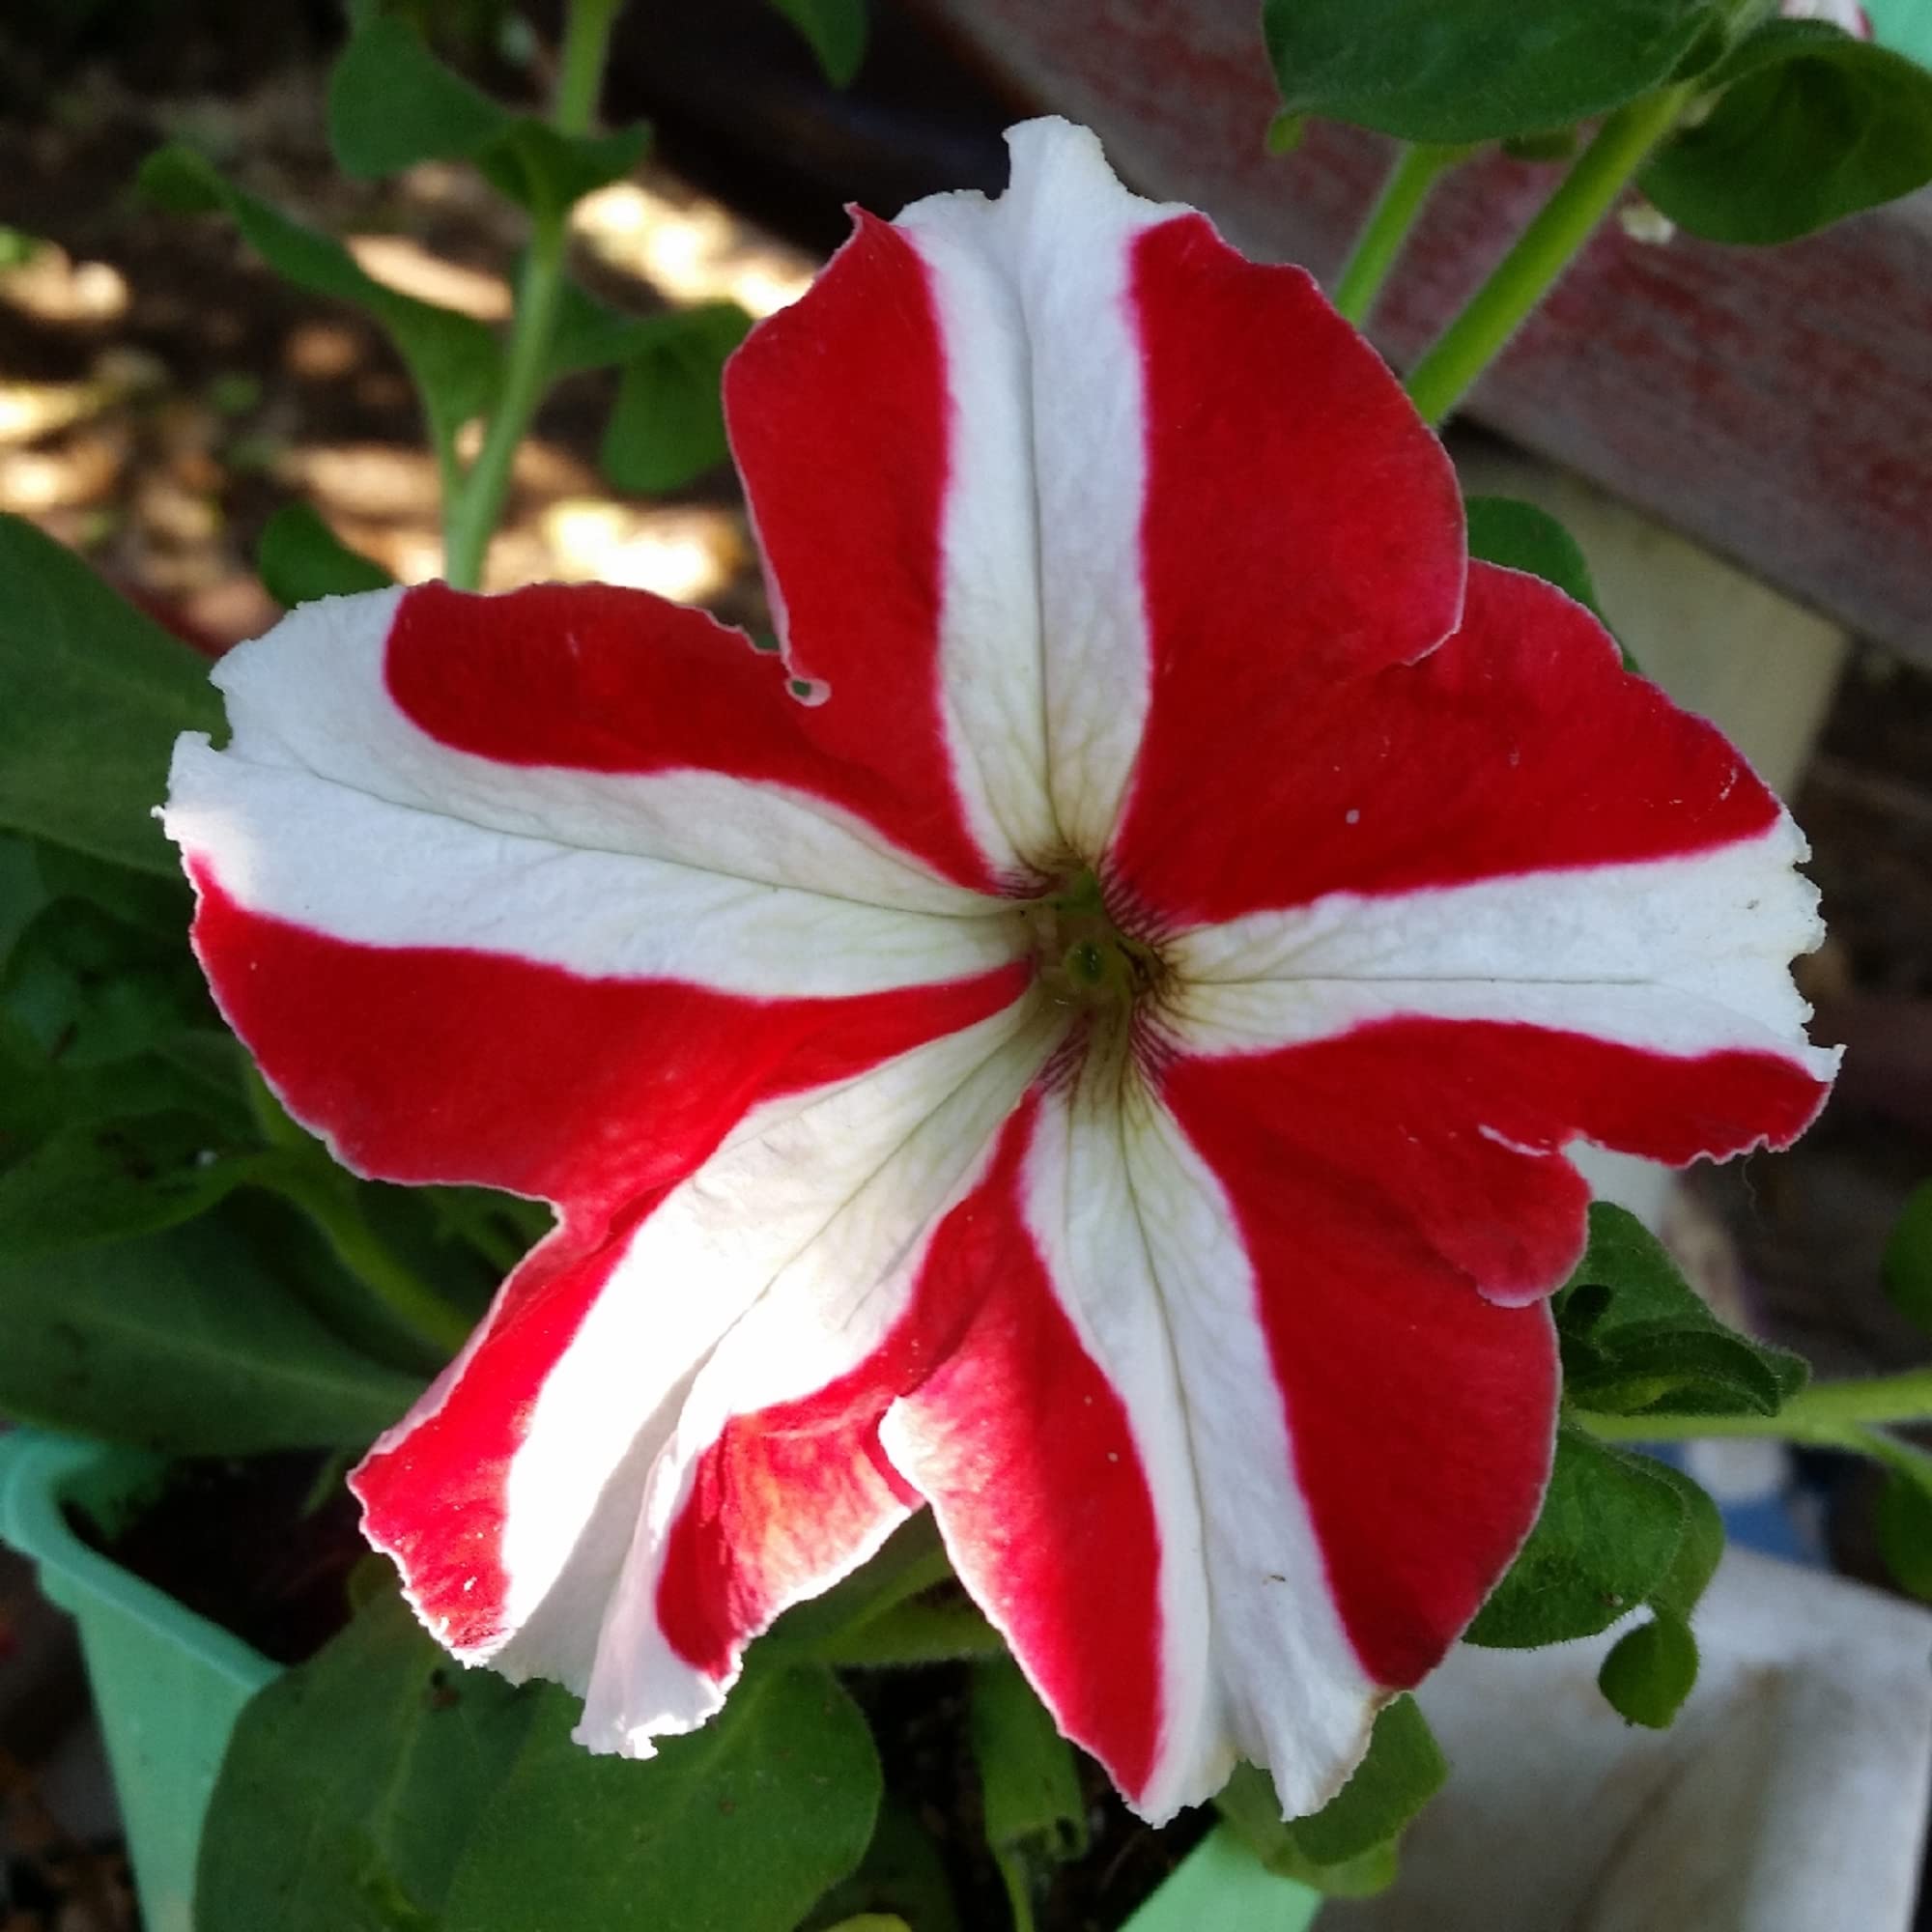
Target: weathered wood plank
pixel 1777 403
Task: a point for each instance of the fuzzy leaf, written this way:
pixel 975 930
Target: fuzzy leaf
pixel 738 1827
pixel 455 360
pixel 836 31
pixel 1904 1525
pixel 1638 1339
pixel 96 696
pixel 393 103
pixel 1650 1671
pixel 1030 1785
pixel 301 559
pixel 1606 1539
pixel 1347 1847
pixel 668 422
pixel 183 1340
pixel 108 1180
pixel 352 1785
pixel 1482 70
pixel 1814 126
pixel 1521 536
pixel 1908 1257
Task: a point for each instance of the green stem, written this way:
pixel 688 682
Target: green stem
pixel 1417 171
pixel 474 506
pixel 325 1198
pixel 1835 1414
pixel 1542 251
pixel 299 1169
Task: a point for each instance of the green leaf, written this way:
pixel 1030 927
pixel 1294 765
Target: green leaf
pixel 1033 1815
pixel 352 1785
pixel 737 1827
pixel 1347 1847
pixel 1908 1257
pixel 1520 536
pixel 1607 1537
pixel 1482 70
pixel 393 103
pixel 96 696
pixel 183 1340
pixel 1813 126
pixel 668 422
pixel 546 171
pixel 1650 1671
pixel 834 29
pixel 1904 1524
pixel 455 360
pixel 82 988
pixel 901 1881
pixel 1700 1546
pixel 301 559
pixel 1638 1339
pixel 107 1181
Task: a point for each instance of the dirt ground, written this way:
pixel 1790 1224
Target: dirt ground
pixel 161 394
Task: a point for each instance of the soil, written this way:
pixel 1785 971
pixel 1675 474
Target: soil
pixel 262 1546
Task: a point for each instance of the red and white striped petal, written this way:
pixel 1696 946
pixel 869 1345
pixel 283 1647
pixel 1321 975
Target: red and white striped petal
pixel 1064 438
pixel 601 719
pixel 772 1484
pixel 512 1497
pixel 1152 1504
pixel 1519 750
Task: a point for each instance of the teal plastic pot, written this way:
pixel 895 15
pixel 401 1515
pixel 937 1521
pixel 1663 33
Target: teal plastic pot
pixel 169 1687
pixel 168 1684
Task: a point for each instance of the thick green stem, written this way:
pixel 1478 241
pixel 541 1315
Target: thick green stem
pixel 1542 251
pixel 473 508
pixel 1835 1414
pixel 1417 171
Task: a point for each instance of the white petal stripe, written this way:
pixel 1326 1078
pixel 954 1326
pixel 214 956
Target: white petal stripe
pixel 1686 955
pixel 1061 238
pixel 311 696
pixel 294 846
pixel 792 1204
pixel 888 1161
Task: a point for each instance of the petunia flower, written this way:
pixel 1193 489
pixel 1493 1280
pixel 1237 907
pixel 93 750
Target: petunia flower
pixel 1085 1037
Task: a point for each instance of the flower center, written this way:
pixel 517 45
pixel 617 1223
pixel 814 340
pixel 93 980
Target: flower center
pixel 1083 958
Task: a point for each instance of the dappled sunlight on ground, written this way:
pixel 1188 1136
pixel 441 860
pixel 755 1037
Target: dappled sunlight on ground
pixel 689 247
pixel 161 395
